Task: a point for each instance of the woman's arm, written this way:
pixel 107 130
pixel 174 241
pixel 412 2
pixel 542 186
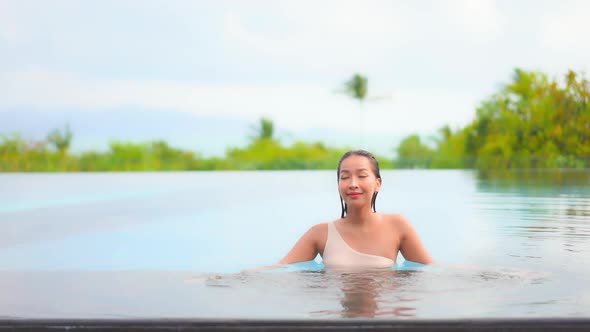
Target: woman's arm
pixel 410 245
pixel 305 249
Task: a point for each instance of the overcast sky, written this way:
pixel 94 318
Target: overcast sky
pixel 434 61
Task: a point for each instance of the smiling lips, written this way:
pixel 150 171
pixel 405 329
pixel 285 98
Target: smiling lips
pixel 354 195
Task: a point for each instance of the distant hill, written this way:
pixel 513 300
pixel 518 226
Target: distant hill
pixel 205 134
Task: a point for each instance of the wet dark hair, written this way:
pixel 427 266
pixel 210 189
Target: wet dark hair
pixel 374 166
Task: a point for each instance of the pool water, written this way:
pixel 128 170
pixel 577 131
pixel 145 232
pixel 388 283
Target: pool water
pixel 173 245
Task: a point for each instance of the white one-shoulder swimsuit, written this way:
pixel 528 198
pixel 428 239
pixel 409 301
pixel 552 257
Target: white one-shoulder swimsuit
pixel 337 253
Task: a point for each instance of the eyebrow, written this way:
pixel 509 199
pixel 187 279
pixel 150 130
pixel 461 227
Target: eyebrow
pixel 358 170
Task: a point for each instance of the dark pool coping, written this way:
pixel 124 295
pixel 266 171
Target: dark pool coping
pixel 87 325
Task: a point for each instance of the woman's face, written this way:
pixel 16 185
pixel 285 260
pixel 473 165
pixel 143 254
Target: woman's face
pixel 357 181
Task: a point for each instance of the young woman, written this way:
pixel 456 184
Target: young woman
pixel 361 237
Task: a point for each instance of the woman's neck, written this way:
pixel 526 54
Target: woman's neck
pixel 360 217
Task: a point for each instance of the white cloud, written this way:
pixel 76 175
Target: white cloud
pixel 478 20
pixel 568 29
pixel 320 34
pixel 365 34
pixel 10 30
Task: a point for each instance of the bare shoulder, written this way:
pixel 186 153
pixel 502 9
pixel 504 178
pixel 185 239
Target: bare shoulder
pixel 319 235
pixel 319 229
pixel 398 222
pixel 411 246
pixel 308 246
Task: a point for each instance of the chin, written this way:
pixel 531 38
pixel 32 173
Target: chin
pixel 356 203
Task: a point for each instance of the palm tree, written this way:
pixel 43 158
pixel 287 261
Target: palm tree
pixel 265 130
pixel 357 87
pixel 61 141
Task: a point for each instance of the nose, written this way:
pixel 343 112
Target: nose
pixel 353 183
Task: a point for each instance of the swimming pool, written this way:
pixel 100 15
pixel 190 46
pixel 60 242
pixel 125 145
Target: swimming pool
pixel 169 245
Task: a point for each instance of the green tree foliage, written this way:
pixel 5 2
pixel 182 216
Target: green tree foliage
pixel 18 155
pixel 533 122
pixel 412 153
pixel 450 150
pixel 126 156
pixel 267 154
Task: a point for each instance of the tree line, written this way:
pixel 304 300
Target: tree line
pixel 532 122
pixel 264 152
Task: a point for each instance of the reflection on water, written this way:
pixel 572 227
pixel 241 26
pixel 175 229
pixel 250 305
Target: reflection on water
pixel 535 177
pixel 360 293
pixel 439 291
pixel 369 294
pixel 542 208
